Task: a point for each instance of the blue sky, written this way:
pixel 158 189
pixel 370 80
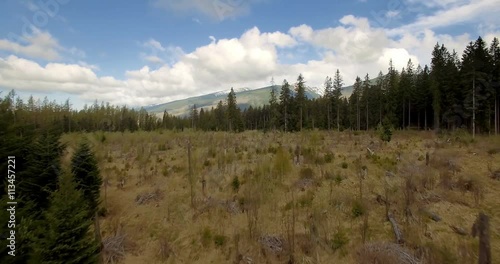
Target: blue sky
pixel 149 52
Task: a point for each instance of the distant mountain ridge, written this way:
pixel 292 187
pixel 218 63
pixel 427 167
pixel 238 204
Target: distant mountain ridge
pixel 245 97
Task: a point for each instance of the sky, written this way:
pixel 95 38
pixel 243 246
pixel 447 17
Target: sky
pixel 139 53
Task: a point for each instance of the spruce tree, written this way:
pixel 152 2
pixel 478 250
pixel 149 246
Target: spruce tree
pixel 39 179
pixel 87 177
pixel 285 102
pixel 300 98
pixel 337 94
pixel 67 237
pixel 328 97
pixel 273 106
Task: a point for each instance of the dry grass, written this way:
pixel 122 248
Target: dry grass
pixel 315 195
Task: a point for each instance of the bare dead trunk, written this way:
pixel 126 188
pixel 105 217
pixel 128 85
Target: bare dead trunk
pixel 397 232
pixel 404 116
pixel 367 116
pixel 496 115
pixel 481 228
pixel 409 113
pixel 425 119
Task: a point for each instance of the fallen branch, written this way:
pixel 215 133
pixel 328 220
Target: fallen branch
pixel 385 253
pixel 370 151
pixel 458 230
pixel 397 232
pixel 435 217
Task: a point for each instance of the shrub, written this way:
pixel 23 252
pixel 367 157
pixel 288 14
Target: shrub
pixel 306 173
pixel 220 240
pixel 329 157
pixel 212 152
pixel 384 131
pixel 206 236
pixel 357 209
pixel 344 165
pixel 306 200
pixel 102 212
pixel 339 240
pixel 338 179
pixel 493 151
pixel 162 147
pixel 236 184
pixel 272 150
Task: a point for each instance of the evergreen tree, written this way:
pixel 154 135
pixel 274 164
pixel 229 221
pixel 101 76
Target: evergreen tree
pixel 337 94
pixel 87 176
pixel 300 99
pixel 194 116
pixel 285 103
pixel 495 79
pixel 66 238
pixel 328 97
pixel 354 102
pixel 366 99
pixel 233 112
pixel 273 106
pixel 39 179
pixel 393 95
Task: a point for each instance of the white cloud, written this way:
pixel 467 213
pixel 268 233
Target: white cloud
pixel 392 14
pixel 250 60
pixel 158 54
pixel 216 9
pixel 39 45
pixel 154 45
pixel 354 38
pixel 154 60
pixel 453 12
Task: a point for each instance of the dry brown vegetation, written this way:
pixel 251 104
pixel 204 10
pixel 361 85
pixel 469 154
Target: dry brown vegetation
pixel 311 197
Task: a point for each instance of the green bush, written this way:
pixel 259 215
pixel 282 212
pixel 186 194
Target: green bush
pixel 384 131
pixel 220 240
pixel 344 165
pixel 338 179
pixel 236 184
pixel 206 236
pixel 306 173
pixel 339 240
pixel 357 209
pixel 329 157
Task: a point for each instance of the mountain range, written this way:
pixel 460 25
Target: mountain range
pixel 245 97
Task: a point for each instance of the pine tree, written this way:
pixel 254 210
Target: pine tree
pixel 328 96
pixel 337 94
pixel 273 106
pixel 495 78
pixel 87 176
pixel 300 99
pixel 233 112
pixel 194 117
pixel 285 102
pixel 392 95
pixel 354 102
pixel 66 238
pixel 366 98
pixel 220 112
pixel 39 180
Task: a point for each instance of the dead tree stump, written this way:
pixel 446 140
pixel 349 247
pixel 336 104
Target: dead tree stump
pixel 481 228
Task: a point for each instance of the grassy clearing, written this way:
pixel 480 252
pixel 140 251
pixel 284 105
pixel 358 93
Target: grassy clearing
pixel 320 197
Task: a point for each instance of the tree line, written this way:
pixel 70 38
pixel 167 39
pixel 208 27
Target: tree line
pixel 449 93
